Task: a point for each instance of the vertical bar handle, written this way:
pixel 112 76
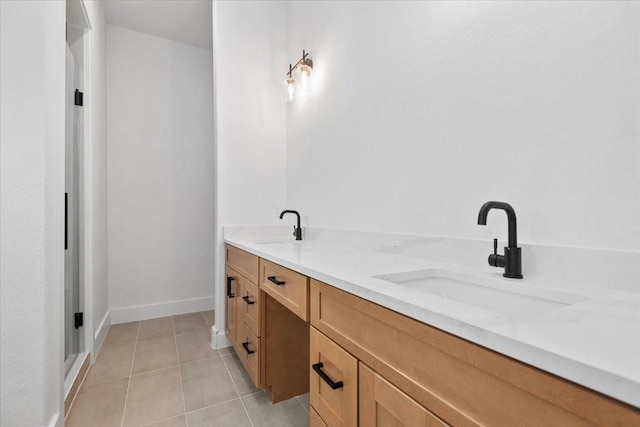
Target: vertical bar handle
pixel 66 221
pixel 229 282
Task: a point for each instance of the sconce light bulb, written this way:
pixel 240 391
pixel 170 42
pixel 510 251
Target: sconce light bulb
pixel 290 89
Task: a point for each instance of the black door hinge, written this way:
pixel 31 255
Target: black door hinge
pixel 78 97
pixel 79 320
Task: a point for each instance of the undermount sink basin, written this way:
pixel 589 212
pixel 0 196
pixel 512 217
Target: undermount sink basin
pixel 510 298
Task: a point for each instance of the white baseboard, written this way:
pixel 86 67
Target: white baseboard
pixel 151 311
pixel 100 333
pixel 219 338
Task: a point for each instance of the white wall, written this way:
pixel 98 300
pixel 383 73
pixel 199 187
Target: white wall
pixel 160 170
pixel 97 304
pixel 32 81
pixel 423 111
pixel 249 40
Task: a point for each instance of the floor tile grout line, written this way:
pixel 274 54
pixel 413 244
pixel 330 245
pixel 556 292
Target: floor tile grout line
pixel 304 407
pixel 133 359
pixel 205 319
pixel 199 360
pixel 184 402
pixel 237 391
pixel 213 406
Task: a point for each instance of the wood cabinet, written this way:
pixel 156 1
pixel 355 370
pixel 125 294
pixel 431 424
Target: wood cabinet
pixel 267 323
pixel 459 382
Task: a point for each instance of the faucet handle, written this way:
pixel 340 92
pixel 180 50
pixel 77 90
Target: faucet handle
pixel 496 260
pixel 294 230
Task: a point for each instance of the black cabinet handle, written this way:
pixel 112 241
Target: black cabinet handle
pixel 273 279
pixel 318 368
pixel 246 348
pixel 246 299
pixel 229 280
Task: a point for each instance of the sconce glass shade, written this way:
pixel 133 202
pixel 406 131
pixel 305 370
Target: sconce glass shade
pixel 289 89
pixel 305 73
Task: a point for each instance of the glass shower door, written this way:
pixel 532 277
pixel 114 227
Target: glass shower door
pixel 72 229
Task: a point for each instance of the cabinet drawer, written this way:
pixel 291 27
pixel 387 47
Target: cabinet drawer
pixel 243 262
pixel 336 406
pixel 382 404
pixel 249 352
pixel 316 421
pixel 250 304
pixel 289 288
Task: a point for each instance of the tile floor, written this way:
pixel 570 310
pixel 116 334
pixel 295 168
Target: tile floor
pixel 163 372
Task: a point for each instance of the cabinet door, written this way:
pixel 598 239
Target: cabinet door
pixel 250 306
pixel 232 295
pixel 333 382
pixel 384 405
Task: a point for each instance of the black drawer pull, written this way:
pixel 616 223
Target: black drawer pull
pixel 273 279
pixel 246 299
pixel 246 348
pixel 318 368
pixel 229 280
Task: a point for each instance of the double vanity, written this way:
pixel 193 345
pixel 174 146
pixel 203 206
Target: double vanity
pixel 380 338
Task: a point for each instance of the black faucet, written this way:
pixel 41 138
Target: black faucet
pixel 512 258
pixel 297 230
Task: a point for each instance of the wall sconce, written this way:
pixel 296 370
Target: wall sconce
pixel 291 86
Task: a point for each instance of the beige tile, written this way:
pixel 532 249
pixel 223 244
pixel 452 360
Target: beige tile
pixel 284 414
pixel 239 375
pixel 156 353
pixel 210 317
pixel 153 396
pixel 195 346
pixel 180 421
pixel 228 414
pixel 187 323
pixel 121 333
pixel 154 328
pixel 114 361
pixel 227 350
pixel 206 383
pixel 99 405
pixel 304 399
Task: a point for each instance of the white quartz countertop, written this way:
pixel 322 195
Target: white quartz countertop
pixel 593 341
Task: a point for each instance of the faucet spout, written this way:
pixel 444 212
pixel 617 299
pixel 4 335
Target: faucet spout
pixel 297 230
pixel 511 218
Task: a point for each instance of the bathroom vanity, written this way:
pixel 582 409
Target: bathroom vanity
pixel 300 324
